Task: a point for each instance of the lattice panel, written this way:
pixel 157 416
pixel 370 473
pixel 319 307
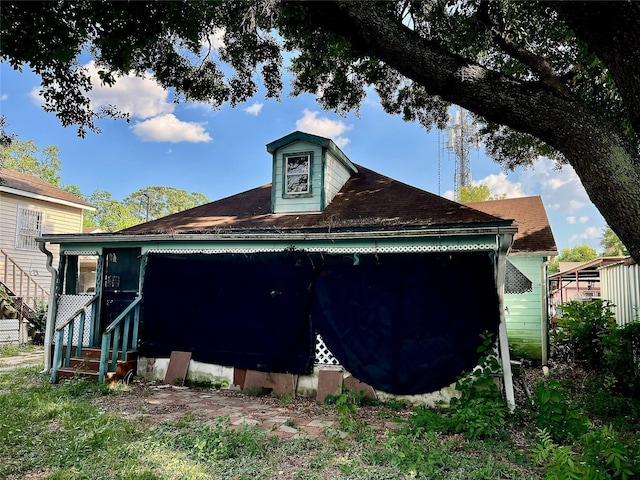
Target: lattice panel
pixel 67 306
pixel 323 354
pixel 337 250
pixel 515 281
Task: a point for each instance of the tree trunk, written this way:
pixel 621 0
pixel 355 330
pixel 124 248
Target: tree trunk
pixel 603 159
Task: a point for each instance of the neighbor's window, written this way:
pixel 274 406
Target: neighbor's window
pixel 30 226
pixel 297 168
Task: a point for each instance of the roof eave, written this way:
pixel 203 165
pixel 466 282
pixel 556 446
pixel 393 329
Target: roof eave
pixel 530 253
pixel 272 236
pixel 46 198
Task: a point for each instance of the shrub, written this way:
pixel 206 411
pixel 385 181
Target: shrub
pixel 582 327
pixel 38 324
pixel 480 412
pixel 622 412
pixel 602 456
pixel 621 351
pixel 556 414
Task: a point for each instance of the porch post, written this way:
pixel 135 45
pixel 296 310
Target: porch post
pixel 94 330
pixel 503 341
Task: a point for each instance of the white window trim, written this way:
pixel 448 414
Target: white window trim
pixel 24 223
pixel 309 156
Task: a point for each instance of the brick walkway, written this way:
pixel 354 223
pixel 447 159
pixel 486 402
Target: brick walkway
pixel 301 418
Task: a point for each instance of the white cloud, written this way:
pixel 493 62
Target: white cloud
pixel 587 235
pixel 3 97
pixel 36 98
pixel 140 97
pixel 168 128
pixel 572 220
pixel 323 126
pixel 560 189
pixel 254 109
pixel 215 41
pixel 501 185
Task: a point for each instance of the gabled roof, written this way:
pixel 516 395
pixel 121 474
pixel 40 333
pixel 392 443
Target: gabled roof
pixel 368 201
pixel 19 183
pixel 315 140
pixel 534 231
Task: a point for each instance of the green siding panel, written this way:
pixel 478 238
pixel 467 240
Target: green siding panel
pixel 524 312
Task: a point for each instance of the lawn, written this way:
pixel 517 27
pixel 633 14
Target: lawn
pixel 61 432
pixel 577 422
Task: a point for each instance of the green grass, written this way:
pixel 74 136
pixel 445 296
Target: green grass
pixel 56 432
pixel 11 350
pixel 59 432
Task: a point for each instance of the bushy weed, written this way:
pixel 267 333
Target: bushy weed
pixel 598 456
pixel 580 331
pixel 556 413
pixel 481 412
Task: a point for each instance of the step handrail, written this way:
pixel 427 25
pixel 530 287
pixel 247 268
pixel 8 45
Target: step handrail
pixel 70 325
pixel 37 288
pixel 120 327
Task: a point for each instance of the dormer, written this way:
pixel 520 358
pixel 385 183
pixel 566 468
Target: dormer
pixel 308 171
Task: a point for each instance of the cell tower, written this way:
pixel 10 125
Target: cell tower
pixel 462 136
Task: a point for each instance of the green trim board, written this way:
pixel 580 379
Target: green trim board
pixel 407 243
pixel 323 173
pixel 313 139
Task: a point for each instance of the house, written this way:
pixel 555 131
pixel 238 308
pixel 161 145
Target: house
pixel 526 295
pixel 330 261
pixel 29 208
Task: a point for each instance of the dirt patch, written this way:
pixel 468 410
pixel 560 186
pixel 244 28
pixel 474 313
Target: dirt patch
pixel 36 474
pixel 157 403
pixel 22 360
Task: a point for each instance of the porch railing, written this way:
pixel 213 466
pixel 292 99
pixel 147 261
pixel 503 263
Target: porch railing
pixel 21 283
pixel 120 336
pixel 70 327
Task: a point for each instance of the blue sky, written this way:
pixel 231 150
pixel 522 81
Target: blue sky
pixel 222 152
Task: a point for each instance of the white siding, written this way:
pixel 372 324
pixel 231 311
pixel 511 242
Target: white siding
pixel 620 284
pixel 335 176
pixel 58 219
pixel 302 204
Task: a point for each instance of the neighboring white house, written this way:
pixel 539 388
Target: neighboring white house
pixel 30 207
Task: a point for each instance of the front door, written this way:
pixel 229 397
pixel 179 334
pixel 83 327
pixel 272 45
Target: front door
pixel 120 282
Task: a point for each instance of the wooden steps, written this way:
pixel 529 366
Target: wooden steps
pixel 87 365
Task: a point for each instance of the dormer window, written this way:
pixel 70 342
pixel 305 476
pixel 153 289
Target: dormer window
pixel 297 173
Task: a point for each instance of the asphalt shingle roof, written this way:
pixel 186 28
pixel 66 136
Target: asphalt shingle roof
pixel 534 231
pixel 368 201
pixel 28 183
